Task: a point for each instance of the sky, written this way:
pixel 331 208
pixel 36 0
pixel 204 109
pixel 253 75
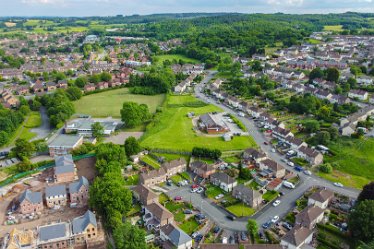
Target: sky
pixel 130 7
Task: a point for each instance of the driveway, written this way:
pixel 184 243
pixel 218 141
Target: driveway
pixel 44 129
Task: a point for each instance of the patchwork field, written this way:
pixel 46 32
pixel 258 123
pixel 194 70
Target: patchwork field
pixel 173 130
pixel 109 103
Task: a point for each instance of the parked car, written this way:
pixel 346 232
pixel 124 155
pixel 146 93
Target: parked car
pixel 199 238
pixel 275 219
pixel 195 234
pixel 194 190
pixel 200 216
pixel 266 143
pixel 276 203
pixel 231 217
pixel 299 168
pixel 169 183
pixel 187 211
pixel 273 150
pixel 199 190
pixel 287 225
pixel 338 184
pixel 307 172
pixel 219 196
pixel 194 186
pixel 291 164
pixel 243 236
pixel 288 184
pixel 177 198
pixel 216 229
pixel 266 225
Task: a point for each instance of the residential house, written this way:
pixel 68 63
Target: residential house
pixel 254 111
pixel 78 191
pixel 89 87
pixel 323 94
pixel 64 170
pixel 297 238
pixel 275 184
pixel 224 181
pixel 84 227
pixel 175 166
pixel 55 196
pixel 202 169
pixel 102 85
pixel 365 80
pixel 50 86
pixel 358 94
pixel 277 170
pixel 62 84
pixel 253 154
pixel 8 100
pixel 371 99
pixel 247 195
pixel 309 217
pixel 281 133
pixel 153 177
pixel 173 237
pixel 57 235
pixel 321 198
pixel 312 156
pixel 156 216
pixel 30 202
pixel 211 125
pixel 339 99
pixel 144 195
pixel 64 144
pixel 294 143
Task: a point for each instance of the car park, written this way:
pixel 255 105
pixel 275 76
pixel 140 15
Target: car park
pixel 276 203
pixel 275 219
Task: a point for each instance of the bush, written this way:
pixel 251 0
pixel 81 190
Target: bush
pixel 325 168
pixel 206 153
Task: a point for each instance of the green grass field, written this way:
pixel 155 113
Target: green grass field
pixel 109 103
pixel 161 58
pixel 335 28
pixel 313 41
pixel 189 226
pixel 150 161
pixel 241 210
pixel 172 129
pixel 355 159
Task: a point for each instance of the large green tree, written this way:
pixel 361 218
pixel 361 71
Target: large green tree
pixel 132 146
pixel 127 236
pixel 133 114
pixel 360 221
pixel 332 74
pixel 367 192
pixel 97 130
pixel 23 148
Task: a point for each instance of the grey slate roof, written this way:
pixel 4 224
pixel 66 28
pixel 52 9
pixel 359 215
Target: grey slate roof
pixel 74 187
pixel 176 235
pixel 54 231
pixel 55 190
pixel 33 197
pixel 64 164
pixel 81 223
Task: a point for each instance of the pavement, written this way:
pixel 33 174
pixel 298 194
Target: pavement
pixel 218 214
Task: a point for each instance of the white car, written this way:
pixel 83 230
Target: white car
pixel 291 164
pixel 338 184
pixel 275 219
pixel 276 203
pixel 308 172
pixel 199 190
pixel 273 150
pixel 193 190
pixel 219 196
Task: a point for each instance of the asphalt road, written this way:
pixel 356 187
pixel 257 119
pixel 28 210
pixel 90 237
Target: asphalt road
pixel 218 215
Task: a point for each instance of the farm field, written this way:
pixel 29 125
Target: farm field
pixel 173 130
pixel 355 158
pixel 109 103
pixel 161 58
pixel 336 28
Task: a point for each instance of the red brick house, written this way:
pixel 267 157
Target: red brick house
pixel 78 191
pixel 30 202
pixel 202 169
pixel 64 171
pixel 89 87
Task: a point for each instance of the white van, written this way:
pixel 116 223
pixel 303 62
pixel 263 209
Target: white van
pixel 288 184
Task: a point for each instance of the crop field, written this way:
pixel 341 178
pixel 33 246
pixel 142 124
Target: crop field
pixel 109 103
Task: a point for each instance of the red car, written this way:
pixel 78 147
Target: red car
pixel 178 198
pixel 194 186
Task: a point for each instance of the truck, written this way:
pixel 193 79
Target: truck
pixel 288 184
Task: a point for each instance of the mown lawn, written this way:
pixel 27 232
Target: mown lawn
pixel 171 57
pixel 241 210
pixel 34 120
pixel 355 162
pixel 212 191
pixel 150 161
pixel 132 180
pixel 270 195
pixel 109 103
pixel 189 226
pixel 173 130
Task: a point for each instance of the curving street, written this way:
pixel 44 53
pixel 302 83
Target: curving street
pixel 218 215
